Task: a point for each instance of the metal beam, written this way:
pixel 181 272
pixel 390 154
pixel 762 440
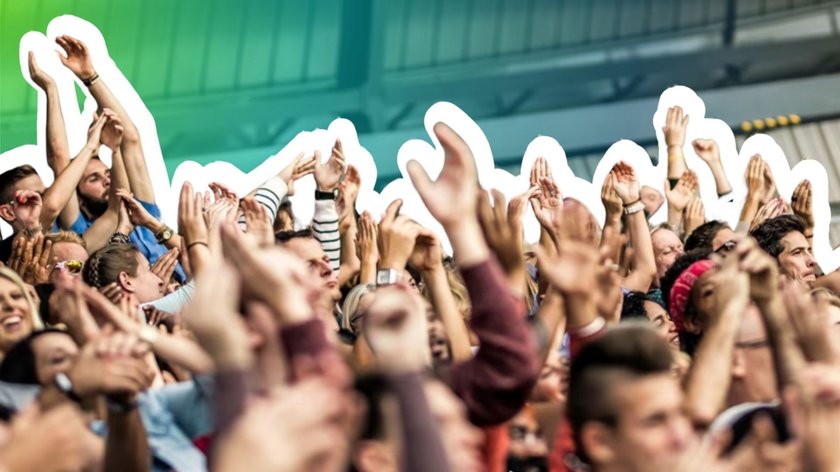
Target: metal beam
pixel 598 126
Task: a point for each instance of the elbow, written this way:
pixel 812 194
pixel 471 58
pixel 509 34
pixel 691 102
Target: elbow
pixel 131 135
pixel 701 416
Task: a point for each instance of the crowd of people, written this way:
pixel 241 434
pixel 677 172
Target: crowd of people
pixel 245 341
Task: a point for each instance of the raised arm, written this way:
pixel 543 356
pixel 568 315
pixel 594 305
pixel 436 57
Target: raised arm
pixel 754 176
pixel 63 189
pixel 97 234
pixel 679 197
pixel 676 123
pixel 707 150
pixel 78 60
pixel 495 383
pixel 644 267
pixel 708 379
pixel 325 220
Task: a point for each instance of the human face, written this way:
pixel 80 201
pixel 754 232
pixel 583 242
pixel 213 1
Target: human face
pixel 461 440
pixel 753 377
pixel 54 353
pixel 797 258
pixel 95 182
pixel 24 216
pixel 67 251
pixel 145 285
pixel 15 315
pixel 438 340
pixel 650 425
pixel 724 235
pixel 667 247
pixel 526 437
pixel 660 319
pixel 310 251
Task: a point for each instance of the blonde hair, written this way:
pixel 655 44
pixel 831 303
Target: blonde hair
pixel 351 305
pixel 14 278
pixel 458 289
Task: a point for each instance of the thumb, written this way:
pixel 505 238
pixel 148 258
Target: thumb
pixel 419 178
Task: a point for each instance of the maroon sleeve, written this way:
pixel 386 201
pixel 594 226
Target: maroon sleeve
pixel 496 382
pixel 423 448
pixel 309 352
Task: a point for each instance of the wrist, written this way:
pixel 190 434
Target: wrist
pixel 428 273
pixel 631 199
pixel 396 262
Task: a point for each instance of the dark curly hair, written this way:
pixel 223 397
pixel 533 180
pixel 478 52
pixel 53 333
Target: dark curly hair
pixel 769 234
pixel 703 235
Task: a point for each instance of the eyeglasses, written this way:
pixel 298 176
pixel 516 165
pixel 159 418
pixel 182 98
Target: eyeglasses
pixel 725 248
pixel 72 267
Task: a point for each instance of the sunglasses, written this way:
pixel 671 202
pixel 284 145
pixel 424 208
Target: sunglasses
pixel 72 267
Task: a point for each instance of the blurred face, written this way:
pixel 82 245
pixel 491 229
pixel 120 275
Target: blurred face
pixel 667 247
pixel 527 441
pixel 660 319
pixel 310 251
pixel 753 377
pixel 95 182
pixel 145 285
pixel 461 439
pixel 797 258
pixel 723 235
pixel 54 353
pixel 553 383
pixel 703 300
pixel 67 251
pixel 650 425
pixel 438 341
pixel 15 315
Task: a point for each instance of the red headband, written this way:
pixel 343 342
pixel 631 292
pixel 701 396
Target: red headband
pixel 681 291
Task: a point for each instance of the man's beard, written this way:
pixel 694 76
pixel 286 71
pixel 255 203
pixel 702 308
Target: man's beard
pixel 93 209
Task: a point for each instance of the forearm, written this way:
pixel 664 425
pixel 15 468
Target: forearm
pixel 184 353
pixel 468 243
pixel 551 317
pixel 97 235
pixel 749 210
pixel 709 377
pixel 350 264
pixel 721 181
pixel 675 218
pixel 64 186
pixel 325 229
pixel 676 161
pixel 446 308
pixel 58 150
pixel 787 358
pixel 644 266
pixel 367 271
pixel 126 446
pixel 422 445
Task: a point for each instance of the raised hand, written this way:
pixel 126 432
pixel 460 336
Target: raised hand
pixel 503 236
pixel 451 198
pixel 41 78
pixel 137 213
pixel 573 270
pixel 802 202
pixel 547 204
pixel 773 208
pixel 695 215
pixel 762 269
pixel 731 285
pixel 395 328
pixel 191 223
pixel 112 132
pixel 676 123
pixel 625 183
pixel 682 193
pixel 257 222
pixel 164 267
pixel 613 204
pixel 707 150
pixel 328 174
pixel 397 236
pixel 809 316
pixel 274 276
pixel 63 427
pixel 813 409
pixel 77 57
pixel 298 168
pixel 540 170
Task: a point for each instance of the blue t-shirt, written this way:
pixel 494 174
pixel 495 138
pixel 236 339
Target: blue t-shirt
pixel 142 238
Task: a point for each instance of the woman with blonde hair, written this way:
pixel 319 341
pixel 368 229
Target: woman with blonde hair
pixel 18 312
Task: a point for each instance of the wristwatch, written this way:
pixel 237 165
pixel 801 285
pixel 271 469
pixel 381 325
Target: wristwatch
pixel 331 195
pixel 385 277
pixel 164 234
pixel 65 386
